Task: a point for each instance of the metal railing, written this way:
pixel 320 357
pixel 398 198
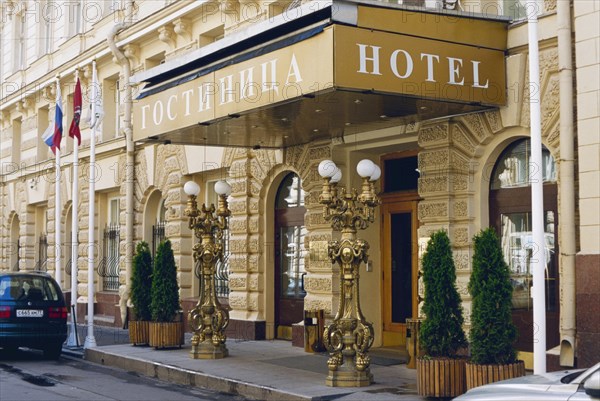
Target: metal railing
pixel 222 269
pixel 16 265
pixel 108 268
pixel 158 235
pixel 42 261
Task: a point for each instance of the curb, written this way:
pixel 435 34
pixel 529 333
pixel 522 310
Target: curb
pixel 73 352
pixel 174 374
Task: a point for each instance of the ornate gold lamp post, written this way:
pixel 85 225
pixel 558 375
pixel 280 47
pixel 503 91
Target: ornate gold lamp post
pixel 349 337
pixel 208 319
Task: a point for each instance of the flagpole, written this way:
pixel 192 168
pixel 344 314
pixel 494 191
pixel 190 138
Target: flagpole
pixel 72 340
pixel 538 262
pixel 90 340
pixel 57 205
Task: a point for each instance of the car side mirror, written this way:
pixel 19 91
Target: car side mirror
pixel 592 384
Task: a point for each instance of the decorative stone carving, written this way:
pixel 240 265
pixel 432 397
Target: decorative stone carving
pixel 494 120
pixel 554 136
pixel 432 210
pixel 435 135
pixel 182 27
pixel 238 225
pixel 462 260
pixel 132 51
pixel 237 263
pixel 459 162
pixel 461 208
pixel 238 300
pixel 461 140
pixel 433 160
pixel 311 303
pixel 475 125
pixel 238 283
pixel 314 284
pixel 461 236
pixel 166 34
pixel 433 184
pixel 460 182
pixel 549 6
pixel 550 106
pixel 462 284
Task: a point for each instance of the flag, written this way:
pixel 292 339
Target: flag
pixel 96 112
pixel 58 117
pixel 48 137
pixel 74 131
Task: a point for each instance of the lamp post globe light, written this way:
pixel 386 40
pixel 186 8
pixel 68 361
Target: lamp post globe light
pixel 349 337
pixel 208 319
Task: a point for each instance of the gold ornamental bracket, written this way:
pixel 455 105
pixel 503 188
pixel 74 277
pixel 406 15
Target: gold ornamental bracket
pixel 208 319
pixel 350 336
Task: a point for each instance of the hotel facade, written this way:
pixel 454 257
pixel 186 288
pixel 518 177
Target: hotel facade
pixel 259 93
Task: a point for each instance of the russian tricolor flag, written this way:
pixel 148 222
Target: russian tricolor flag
pixel 58 119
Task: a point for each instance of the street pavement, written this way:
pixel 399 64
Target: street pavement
pixel 260 370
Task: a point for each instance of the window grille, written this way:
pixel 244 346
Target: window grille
pixel 108 268
pixel 42 262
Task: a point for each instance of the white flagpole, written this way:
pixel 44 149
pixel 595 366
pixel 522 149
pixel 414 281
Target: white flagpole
pixel 538 262
pixel 72 340
pixel 90 340
pixel 57 206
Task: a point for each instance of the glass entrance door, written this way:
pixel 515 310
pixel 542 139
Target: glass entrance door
pixel 290 252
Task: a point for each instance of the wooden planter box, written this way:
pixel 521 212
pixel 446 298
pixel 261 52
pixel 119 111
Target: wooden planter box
pixel 139 332
pixel 478 375
pixel 165 335
pixel 441 377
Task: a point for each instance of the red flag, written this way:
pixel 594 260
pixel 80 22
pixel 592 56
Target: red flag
pixel 74 131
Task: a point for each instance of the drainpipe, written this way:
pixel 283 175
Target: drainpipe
pixel 567 187
pixel 129 168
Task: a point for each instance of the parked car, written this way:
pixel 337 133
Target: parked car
pixel 571 385
pixel 33 313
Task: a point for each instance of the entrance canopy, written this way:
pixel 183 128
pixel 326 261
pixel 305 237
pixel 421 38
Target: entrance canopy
pixel 347 66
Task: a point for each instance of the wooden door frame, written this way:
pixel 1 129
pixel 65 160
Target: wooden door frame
pixel 397 203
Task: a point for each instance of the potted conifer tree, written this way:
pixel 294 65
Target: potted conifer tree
pixel 166 327
pixel 441 371
pixel 493 356
pixel 141 285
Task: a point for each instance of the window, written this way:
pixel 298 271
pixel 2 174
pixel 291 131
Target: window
pixel 15 152
pixel 74 21
pixel 108 268
pixel 20 41
pixel 212 35
pixel 111 101
pixel 113 211
pixel 400 174
pixel 291 235
pixel 513 167
pixel 510 214
pixel 47 17
pixel 43 124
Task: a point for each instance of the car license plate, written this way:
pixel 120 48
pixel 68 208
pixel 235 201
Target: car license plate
pixel 30 313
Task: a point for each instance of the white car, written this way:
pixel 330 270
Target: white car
pixel 567 385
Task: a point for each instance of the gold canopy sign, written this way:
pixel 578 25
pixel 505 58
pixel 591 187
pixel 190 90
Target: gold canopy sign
pixel 340 57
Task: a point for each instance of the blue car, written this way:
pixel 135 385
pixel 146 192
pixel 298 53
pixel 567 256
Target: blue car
pixel 33 313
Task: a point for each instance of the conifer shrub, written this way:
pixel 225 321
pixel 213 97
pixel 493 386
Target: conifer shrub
pixel 165 290
pixel 492 330
pixel 141 282
pixel 441 332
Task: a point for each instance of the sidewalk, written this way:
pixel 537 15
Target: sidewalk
pixel 261 370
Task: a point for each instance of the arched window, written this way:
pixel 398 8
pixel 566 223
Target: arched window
pixel 510 214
